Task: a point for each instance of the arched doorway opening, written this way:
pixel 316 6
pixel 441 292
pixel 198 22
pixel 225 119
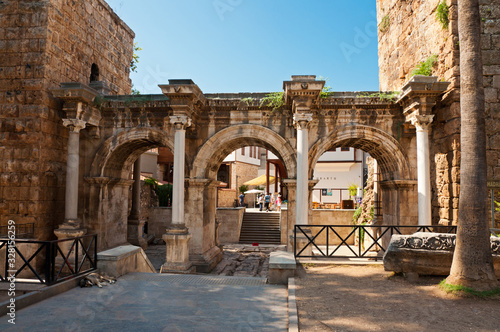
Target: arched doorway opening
pixel 396 172
pixel 201 194
pixel 109 208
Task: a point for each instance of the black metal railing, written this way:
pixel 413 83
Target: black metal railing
pixel 47 262
pixel 23 231
pixel 380 240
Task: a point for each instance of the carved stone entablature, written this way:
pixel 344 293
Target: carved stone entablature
pixel 77 101
pixel 302 92
pixel 435 241
pixel 420 94
pixel 185 96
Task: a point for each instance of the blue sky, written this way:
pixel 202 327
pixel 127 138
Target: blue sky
pixel 253 45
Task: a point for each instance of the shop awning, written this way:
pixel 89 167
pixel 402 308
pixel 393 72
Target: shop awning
pixel 259 181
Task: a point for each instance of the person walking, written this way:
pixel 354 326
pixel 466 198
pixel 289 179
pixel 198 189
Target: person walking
pixel 278 203
pixel 242 199
pixel 261 201
pixel 267 200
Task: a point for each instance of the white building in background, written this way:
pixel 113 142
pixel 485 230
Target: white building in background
pixel 335 171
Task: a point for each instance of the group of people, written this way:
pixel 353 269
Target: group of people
pixel 269 201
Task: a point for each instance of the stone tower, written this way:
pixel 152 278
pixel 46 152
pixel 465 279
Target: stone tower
pixel 409 33
pixel 44 43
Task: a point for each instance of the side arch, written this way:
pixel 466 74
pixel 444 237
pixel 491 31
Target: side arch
pixel 390 155
pixel 117 154
pixel 212 152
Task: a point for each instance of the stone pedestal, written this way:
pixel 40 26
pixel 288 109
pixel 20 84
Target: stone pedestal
pixel 177 256
pixel 66 231
pixel 135 233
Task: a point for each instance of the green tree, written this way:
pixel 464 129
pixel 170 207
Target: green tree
pixel 472 261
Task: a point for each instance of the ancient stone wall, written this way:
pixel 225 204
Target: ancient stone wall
pixel 409 33
pixel 225 197
pixel 82 33
pixel 245 172
pixel 44 43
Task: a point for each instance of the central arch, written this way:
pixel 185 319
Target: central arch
pixel 212 152
pixel 393 162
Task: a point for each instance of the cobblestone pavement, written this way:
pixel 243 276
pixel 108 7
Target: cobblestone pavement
pixel 239 260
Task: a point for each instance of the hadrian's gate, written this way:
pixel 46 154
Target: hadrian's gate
pixel 201 129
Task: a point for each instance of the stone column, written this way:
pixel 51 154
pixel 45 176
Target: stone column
pixel 71 226
pixel 135 225
pixel 177 235
pixel 302 196
pixel 422 123
pixel 136 191
pixel 301 121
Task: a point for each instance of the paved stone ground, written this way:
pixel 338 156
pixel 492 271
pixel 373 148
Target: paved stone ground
pixel 161 302
pixel 240 260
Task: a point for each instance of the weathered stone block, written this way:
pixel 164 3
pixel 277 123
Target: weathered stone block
pixel 282 266
pixel 428 253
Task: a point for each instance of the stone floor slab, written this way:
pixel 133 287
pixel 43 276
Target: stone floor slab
pixel 153 302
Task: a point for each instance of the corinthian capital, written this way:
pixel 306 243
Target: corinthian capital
pixel 421 122
pixel 74 125
pixel 180 121
pixel 301 120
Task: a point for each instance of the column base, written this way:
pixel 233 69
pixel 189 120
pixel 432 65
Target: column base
pixel 177 256
pixel 207 261
pixel 67 230
pixel 135 232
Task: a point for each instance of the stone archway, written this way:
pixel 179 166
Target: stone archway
pixel 212 152
pixel 107 189
pixel 399 195
pixel 200 211
pixel 386 149
pixel 117 154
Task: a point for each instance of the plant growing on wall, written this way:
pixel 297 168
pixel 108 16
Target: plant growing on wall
pixel 327 90
pixel 384 23
pixel 391 96
pixel 442 13
pixel 247 100
pixel 274 100
pixel 425 67
pixel 133 66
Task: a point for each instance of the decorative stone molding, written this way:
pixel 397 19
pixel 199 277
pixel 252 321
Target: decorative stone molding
pixel 74 125
pixel 429 241
pixel 435 241
pixel 421 122
pixel 301 120
pixel 98 181
pixel 180 122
